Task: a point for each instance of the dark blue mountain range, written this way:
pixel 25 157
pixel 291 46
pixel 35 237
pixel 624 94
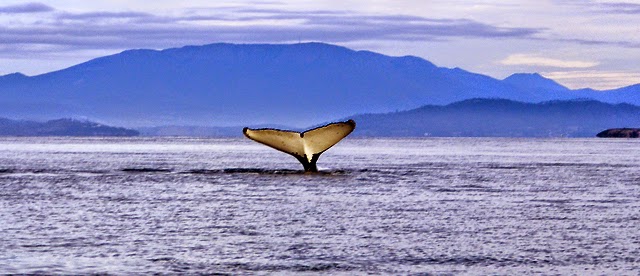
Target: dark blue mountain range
pixel 501 118
pixel 468 118
pixel 230 84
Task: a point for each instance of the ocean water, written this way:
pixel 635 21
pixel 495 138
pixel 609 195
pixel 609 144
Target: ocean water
pixel 379 206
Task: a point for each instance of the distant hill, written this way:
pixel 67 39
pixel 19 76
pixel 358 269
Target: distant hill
pixel 501 118
pixel 60 127
pixel 193 131
pixel 534 81
pixel 205 131
pixel 232 84
pixel 539 86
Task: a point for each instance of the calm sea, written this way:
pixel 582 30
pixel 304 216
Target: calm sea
pixel 379 206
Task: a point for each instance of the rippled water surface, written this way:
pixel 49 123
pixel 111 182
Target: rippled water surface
pixel 381 206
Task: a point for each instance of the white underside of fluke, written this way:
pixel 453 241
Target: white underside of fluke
pixel 307 145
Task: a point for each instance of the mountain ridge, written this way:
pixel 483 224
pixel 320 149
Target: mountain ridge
pixel 292 84
pixel 61 127
pixel 534 80
pixel 501 118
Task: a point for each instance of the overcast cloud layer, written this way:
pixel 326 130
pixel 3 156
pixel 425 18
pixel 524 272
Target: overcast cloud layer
pixel 579 43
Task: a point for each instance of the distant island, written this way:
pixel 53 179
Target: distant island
pixel 469 118
pixel 500 118
pixel 620 133
pixel 61 127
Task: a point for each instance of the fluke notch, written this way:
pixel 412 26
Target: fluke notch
pixel 305 146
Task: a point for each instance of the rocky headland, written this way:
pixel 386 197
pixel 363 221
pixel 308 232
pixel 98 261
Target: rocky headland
pixel 620 133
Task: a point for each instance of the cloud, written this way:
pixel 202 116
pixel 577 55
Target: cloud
pixel 124 30
pixel 594 79
pixel 103 15
pixel 602 6
pixel 620 8
pixel 595 42
pixel 531 60
pixel 26 8
pixel 395 26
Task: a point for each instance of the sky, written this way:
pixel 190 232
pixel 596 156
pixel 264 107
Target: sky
pixel 579 43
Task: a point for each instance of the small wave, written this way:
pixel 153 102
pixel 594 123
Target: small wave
pixel 553 201
pixel 506 167
pixel 319 267
pixel 446 190
pixel 35 245
pixel 479 261
pixel 90 171
pixel 547 218
pixel 51 171
pixel 162 259
pixel 145 170
pixel 609 201
pixel 471 187
pixel 582 165
pixel 22 172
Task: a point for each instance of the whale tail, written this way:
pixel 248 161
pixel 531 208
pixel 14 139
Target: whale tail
pixel 305 146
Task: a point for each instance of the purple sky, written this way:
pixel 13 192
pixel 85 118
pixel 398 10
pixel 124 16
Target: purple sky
pixel 579 43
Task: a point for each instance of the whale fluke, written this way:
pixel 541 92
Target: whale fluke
pixel 305 146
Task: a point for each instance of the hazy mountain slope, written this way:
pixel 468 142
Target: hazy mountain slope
pixel 230 84
pixel 218 83
pixel 60 127
pixel 628 94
